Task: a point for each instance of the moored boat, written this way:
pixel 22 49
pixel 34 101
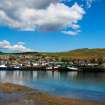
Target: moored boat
pixel 72 68
pixel 3 66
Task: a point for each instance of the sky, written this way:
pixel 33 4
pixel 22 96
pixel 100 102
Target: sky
pixel 51 25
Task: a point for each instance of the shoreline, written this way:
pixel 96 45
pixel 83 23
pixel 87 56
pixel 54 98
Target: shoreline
pixel 84 69
pixel 13 94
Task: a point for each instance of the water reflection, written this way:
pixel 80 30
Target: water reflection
pixel 49 75
pixel 89 86
pixel 37 75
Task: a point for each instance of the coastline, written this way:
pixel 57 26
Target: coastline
pixel 12 94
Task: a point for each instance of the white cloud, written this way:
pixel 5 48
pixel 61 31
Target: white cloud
pixel 39 15
pixel 18 47
pixel 89 3
pixel 75 26
pixel 71 33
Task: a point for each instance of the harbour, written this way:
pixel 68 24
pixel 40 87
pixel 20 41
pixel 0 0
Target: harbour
pixel 55 67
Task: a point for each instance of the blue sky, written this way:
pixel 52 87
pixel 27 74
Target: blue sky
pixel 88 30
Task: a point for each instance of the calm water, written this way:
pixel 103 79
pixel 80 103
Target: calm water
pixel 84 86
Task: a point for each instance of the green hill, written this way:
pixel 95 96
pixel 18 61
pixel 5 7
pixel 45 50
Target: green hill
pixel 81 53
pixel 84 53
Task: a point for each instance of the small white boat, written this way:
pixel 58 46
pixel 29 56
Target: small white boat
pixel 72 68
pixel 16 67
pixel 52 67
pixel 49 68
pixel 3 66
pixel 56 67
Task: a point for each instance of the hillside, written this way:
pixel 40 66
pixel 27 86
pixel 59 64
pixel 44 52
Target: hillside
pixel 74 54
pixel 81 53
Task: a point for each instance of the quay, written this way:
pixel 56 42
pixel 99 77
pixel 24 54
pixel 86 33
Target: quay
pixel 23 68
pixel 55 68
pixel 91 69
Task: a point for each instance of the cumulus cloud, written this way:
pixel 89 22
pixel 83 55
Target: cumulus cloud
pixel 75 26
pixel 18 47
pixel 84 3
pixel 89 3
pixel 39 15
pixel 71 33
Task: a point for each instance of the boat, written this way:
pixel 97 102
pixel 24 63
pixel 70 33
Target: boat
pixel 49 68
pixel 2 67
pixel 16 67
pixel 53 68
pixel 72 68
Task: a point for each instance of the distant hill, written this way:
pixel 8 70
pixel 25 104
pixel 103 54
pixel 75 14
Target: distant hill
pixel 84 53
pixel 81 53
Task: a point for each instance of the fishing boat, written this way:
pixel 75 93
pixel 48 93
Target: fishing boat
pixel 49 68
pixel 53 68
pixel 16 67
pixel 72 68
pixel 3 67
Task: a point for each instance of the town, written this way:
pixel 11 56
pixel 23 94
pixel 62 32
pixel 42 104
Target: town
pixel 39 61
